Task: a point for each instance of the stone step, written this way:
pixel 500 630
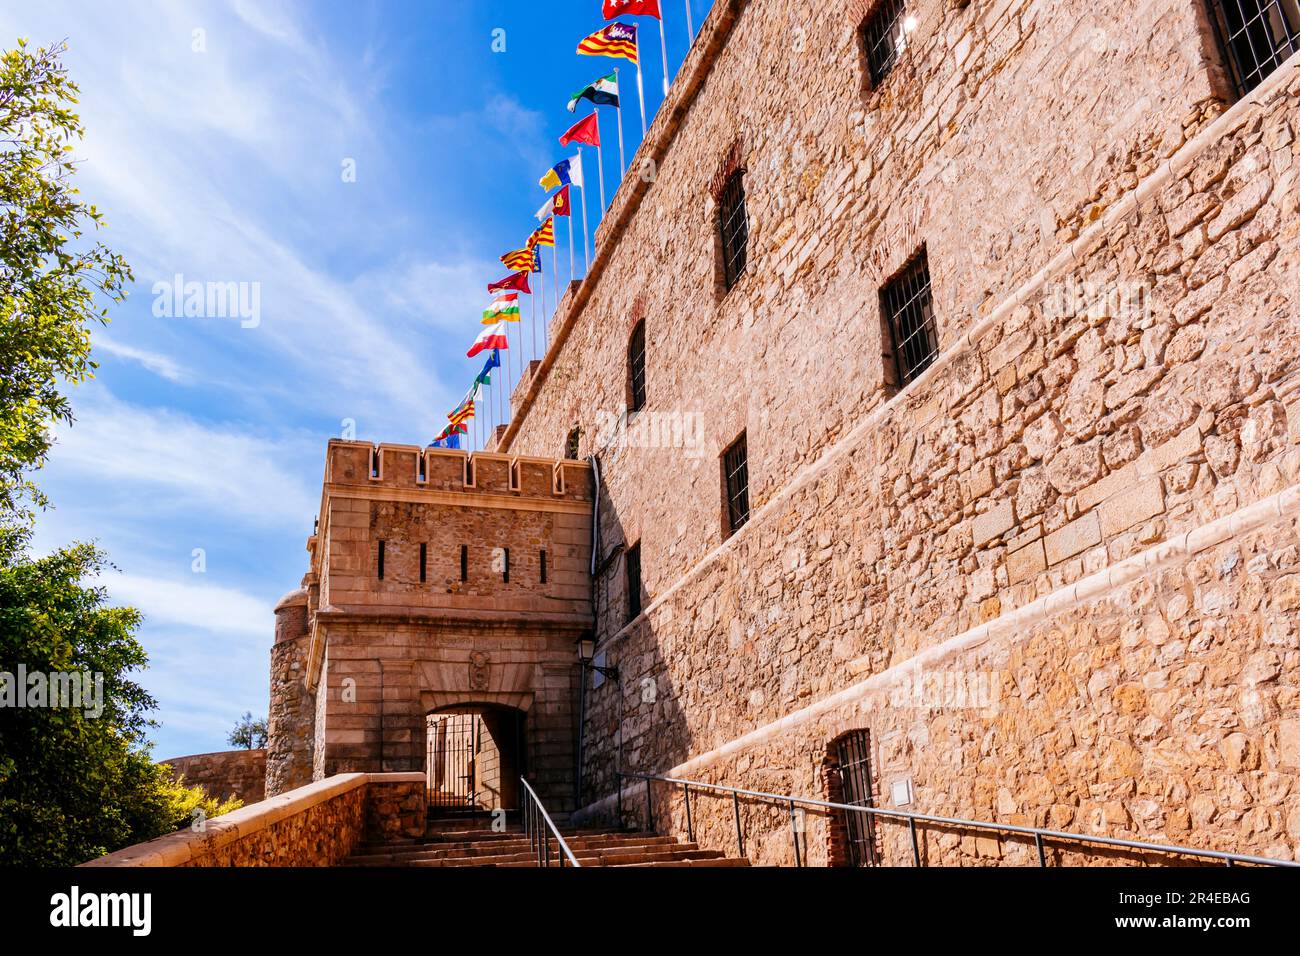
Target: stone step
pixel 716 861
pixel 521 855
pixel 490 847
pixel 595 859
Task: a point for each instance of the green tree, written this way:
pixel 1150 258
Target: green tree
pixel 53 279
pixel 248 733
pixel 73 784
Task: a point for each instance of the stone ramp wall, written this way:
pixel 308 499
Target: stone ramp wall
pixel 1157 702
pixel 227 773
pixel 1052 444
pixel 316 825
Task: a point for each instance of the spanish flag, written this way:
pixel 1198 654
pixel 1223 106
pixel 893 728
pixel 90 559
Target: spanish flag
pixel 616 40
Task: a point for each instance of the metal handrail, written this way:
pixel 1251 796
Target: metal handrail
pixel 538 838
pixel 913 819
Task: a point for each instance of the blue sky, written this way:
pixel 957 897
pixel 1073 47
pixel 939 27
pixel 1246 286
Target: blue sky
pixel 226 164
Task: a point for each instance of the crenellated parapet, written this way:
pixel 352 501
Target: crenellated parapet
pixel 410 467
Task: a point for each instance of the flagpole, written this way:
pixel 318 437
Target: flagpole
pixel 600 174
pixel 663 49
pixel 571 270
pixel 622 166
pixel 532 321
pixel 640 87
pixel 541 279
pixel 690 27
pixel 586 236
pixel 555 269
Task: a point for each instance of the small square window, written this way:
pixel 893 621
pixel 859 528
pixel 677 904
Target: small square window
pixel 883 38
pixel 908 309
pixel 733 222
pixel 571 444
pixel 735 474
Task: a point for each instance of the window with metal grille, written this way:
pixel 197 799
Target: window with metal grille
pixel 571 444
pixel 632 564
pixel 883 37
pixel 909 312
pixel 735 473
pixel 733 222
pixel 1257 37
pixel 853 753
pixel 636 369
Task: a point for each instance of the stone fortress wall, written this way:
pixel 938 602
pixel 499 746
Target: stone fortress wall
pixel 1087 503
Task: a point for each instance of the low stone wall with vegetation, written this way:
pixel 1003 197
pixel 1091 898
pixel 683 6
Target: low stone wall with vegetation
pixel 228 773
pixel 316 825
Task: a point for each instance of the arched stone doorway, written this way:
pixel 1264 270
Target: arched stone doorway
pixel 474 756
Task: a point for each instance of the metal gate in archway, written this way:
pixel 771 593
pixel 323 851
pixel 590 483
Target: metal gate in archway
pixel 473 758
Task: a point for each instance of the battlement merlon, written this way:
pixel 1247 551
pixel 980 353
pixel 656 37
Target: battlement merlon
pixel 390 466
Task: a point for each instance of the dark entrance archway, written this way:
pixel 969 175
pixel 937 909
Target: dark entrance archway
pixel 474 756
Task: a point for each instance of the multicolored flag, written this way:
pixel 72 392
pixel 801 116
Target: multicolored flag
pixel 604 92
pixel 516 281
pixel 504 308
pixel 485 376
pixel 586 130
pixel 521 260
pixel 633 8
pixel 557 205
pixel 617 40
pixel 543 235
pixel 563 173
pixel 449 437
pixel 493 337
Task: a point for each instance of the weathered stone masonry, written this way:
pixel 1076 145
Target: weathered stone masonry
pixel 1033 150
pixel 456 613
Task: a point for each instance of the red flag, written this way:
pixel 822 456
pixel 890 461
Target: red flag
pixel 633 8
pixel 584 131
pixel 517 281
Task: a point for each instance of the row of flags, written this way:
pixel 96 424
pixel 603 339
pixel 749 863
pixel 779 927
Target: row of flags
pixel 618 40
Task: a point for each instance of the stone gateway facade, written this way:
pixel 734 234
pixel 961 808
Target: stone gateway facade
pixel 963 479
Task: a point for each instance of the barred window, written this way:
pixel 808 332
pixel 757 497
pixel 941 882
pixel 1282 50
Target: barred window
pixel 735 474
pixel 571 444
pixel 909 312
pixel 883 37
pixel 1257 36
pixel 733 222
pixel 636 369
pixel 632 565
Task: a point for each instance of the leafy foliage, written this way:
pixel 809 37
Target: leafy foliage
pixel 51 275
pixel 74 786
pixel 248 733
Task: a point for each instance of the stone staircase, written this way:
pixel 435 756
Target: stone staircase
pixel 474 843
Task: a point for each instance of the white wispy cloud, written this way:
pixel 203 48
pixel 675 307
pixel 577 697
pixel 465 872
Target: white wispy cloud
pixel 175 463
pixel 155 362
pixel 199 606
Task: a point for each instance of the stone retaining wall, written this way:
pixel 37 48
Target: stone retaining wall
pixel 316 825
pixel 227 773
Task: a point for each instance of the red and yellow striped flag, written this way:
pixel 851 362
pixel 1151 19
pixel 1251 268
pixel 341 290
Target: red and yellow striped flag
pixel 543 235
pixel 616 40
pixel 521 260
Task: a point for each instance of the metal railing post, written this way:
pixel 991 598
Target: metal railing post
pixel 740 834
pixel 1040 835
pixel 649 809
pixel 690 825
